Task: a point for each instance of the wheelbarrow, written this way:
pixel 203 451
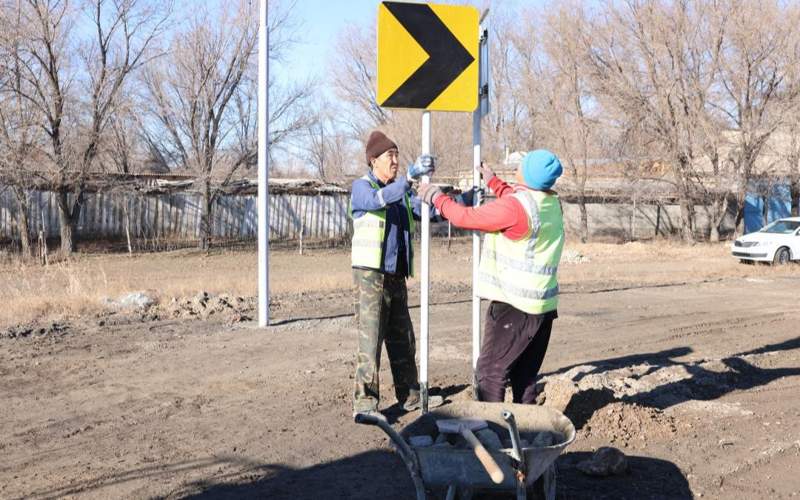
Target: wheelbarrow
pixel 457 471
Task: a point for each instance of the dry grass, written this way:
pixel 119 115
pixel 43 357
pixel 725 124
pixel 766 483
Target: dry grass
pixel 76 287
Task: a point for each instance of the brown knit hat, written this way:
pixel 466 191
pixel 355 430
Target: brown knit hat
pixel 377 144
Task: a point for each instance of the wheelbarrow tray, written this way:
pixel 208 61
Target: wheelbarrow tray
pixel 445 466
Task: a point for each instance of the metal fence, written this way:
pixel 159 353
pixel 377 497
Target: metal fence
pixel 177 216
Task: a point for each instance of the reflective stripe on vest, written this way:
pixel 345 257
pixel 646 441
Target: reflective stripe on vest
pixel 523 272
pixel 369 231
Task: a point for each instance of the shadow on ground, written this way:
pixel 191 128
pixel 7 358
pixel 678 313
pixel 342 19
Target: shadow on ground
pixel 369 475
pixel 646 478
pixel 381 474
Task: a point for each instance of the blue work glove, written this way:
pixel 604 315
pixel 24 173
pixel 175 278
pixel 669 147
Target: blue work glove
pixel 424 165
pixel 467 198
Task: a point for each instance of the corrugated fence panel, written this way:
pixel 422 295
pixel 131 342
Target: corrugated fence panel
pixel 178 215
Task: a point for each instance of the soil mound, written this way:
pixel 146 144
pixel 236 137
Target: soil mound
pixel 630 425
pixel 55 329
pixel 205 305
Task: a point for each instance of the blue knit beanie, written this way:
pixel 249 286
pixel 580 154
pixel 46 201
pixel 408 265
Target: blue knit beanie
pixel 540 169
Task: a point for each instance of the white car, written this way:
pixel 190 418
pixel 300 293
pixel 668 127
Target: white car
pixel 778 242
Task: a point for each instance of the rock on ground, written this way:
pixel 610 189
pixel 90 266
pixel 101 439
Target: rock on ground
pixel 606 461
pixel 131 301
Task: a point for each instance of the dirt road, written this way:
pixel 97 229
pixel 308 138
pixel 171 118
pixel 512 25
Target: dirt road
pixel 690 370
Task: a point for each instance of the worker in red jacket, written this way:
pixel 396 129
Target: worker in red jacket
pixel 518 271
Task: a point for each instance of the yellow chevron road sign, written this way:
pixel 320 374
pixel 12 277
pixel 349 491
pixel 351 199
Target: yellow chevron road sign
pixel 427 56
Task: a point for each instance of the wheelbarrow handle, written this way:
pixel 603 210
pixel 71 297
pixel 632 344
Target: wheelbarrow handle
pixel 405 451
pixel 513 432
pixel 363 418
pixel 398 440
pixel 484 457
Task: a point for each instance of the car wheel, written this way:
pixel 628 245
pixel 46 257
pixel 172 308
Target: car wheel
pixel 782 256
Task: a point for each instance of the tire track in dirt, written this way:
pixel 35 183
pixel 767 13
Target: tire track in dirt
pixel 723 326
pixel 764 467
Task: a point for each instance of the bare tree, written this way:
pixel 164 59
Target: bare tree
pixel 193 91
pixel 788 150
pixel 643 66
pixel 354 80
pixel 567 111
pixel 710 172
pixel 76 83
pixel 327 149
pixel 203 98
pixel 19 134
pixel 502 130
pixel 18 143
pixel 759 58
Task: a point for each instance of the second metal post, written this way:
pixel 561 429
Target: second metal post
pixel 424 273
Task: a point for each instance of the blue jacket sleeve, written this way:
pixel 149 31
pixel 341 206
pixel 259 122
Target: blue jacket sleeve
pixel 365 198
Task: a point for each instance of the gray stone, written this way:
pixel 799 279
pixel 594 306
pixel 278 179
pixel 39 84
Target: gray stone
pixel 606 461
pixel 135 300
pixel 573 257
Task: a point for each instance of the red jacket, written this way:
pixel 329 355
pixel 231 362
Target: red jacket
pixel 505 214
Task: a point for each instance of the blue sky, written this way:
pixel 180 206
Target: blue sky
pixel 320 21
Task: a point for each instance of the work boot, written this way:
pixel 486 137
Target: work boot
pixel 414 401
pixel 371 413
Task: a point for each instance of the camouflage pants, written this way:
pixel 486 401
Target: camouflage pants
pixel 381 303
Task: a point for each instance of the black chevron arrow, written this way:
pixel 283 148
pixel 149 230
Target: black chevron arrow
pixel 447 57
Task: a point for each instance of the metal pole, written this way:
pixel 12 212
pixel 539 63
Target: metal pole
pixel 476 252
pixel 477 115
pixel 424 273
pixel 263 167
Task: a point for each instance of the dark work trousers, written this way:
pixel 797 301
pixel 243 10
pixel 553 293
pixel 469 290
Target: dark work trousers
pixel 512 351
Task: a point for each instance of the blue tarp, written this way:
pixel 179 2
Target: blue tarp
pixel 753 213
pixel 779 206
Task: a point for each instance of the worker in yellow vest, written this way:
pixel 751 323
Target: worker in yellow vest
pixel 518 271
pixel 384 209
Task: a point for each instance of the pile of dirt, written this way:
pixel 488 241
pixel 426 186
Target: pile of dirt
pixel 661 385
pixel 622 405
pixel 205 305
pixel 52 330
pixel 630 425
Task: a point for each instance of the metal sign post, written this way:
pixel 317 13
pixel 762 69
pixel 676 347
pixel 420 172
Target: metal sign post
pixel 424 273
pixel 480 112
pixel 263 167
pixel 476 253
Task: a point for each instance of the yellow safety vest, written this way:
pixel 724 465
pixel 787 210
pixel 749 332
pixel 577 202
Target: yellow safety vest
pixel 369 231
pixel 523 272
